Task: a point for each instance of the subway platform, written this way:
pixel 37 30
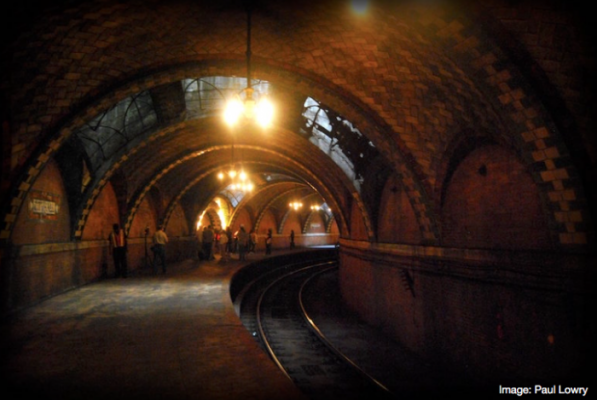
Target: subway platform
pixel 173 336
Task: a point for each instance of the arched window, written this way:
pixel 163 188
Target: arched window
pixel 338 138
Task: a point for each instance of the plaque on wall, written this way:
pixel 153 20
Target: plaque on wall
pixel 43 205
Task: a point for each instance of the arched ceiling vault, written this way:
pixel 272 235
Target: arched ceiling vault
pixel 412 77
pixel 320 175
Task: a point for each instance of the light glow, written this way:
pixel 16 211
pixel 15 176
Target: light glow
pixel 261 112
pixel 233 111
pixel 264 112
pixel 200 219
pixel 237 180
pixel 223 221
pixel 295 205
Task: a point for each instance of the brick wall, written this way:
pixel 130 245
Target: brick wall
pixel 243 218
pixel 268 221
pixel 44 216
pixel 292 223
pixel 315 224
pixel 102 216
pixel 492 202
pixel 397 221
pixel 35 272
pixel 145 217
pixel 487 318
pixel 358 230
pixel 44 261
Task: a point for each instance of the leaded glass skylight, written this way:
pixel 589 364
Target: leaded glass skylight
pixel 111 131
pixel 233 196
pixel 338 138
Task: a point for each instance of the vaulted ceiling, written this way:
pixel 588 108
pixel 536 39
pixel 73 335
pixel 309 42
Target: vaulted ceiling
pixel 411 80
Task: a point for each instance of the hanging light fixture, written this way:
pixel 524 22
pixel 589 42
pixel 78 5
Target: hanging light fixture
pixel 261 111
pixel 238 180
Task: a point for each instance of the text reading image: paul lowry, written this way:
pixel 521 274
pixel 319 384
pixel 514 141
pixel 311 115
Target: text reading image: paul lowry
pixel 538 390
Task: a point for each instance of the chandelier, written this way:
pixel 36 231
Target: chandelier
pixel 295 205
pixel 237 178
pixel 247 107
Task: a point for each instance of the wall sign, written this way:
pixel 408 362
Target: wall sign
pixel 43 205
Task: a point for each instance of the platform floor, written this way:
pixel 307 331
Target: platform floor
pixel 176 336
pixel 173 336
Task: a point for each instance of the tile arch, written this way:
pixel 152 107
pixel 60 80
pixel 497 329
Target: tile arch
pixel 534 133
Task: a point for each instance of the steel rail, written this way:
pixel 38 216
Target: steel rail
pixel 315 329
pixel 262 333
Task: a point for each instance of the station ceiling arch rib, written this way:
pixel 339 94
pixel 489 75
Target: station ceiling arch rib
pixel 131 124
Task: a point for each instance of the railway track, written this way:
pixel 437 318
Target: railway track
pixel 271 308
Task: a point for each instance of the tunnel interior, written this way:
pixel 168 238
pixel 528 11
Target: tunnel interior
pixel 449 145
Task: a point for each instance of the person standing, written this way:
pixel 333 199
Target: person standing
pixel 224 249
pixel 159 249
pixel 118 245
pixel 216 247
pixel 292 239
pixel 243 242
pixel 268 242
pixel 208 242
pixel 252 241
pixel 229 245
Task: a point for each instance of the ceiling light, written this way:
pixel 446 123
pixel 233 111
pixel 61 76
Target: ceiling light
pixel 260 110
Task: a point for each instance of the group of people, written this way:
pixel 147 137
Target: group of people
pixel 213 241
pixel 225 242
pixel 118 244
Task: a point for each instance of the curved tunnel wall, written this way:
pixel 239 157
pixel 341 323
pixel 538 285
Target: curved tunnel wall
pixel 491 301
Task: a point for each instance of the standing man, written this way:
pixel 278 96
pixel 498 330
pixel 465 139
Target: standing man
pixel 252 241
pixel 118 244
pixel 208 241
pixel 159 249
pixel 243 243
pixel 268 242
pixel 224 249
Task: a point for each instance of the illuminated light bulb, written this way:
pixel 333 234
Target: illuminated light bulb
pixel 221 176
pixel 242 176
pixel 295 205
pixel 232 173
pixel 264 113
pixel 233 111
